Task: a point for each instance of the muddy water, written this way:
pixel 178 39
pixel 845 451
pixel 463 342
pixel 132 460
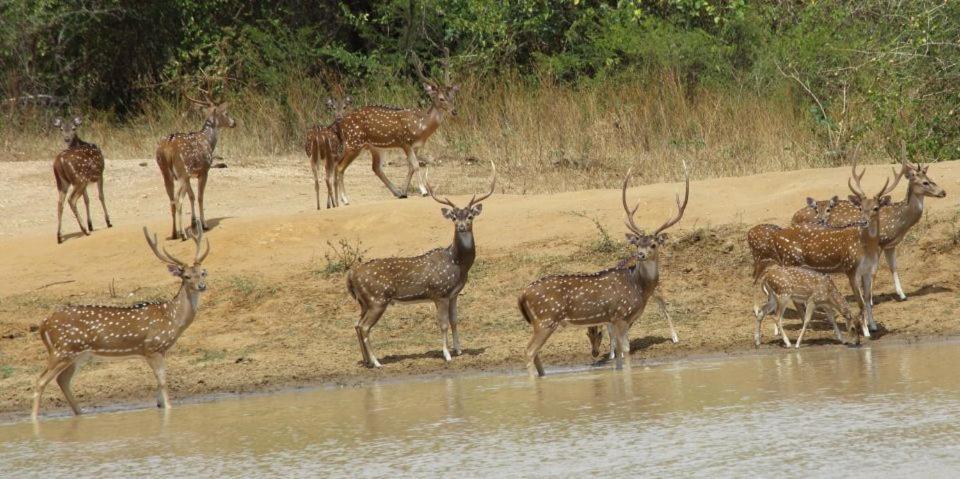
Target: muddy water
pixel 821 411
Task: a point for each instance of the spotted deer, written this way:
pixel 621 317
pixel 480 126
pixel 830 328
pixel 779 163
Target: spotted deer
pixel 437 275
pixel 377 128
pixel 614 296
pixel 852 249
pixel 785 284
pixel 896 218
pixel 73 334
pixel 77 166
pixel 182 156
pixel 760 237
pixel 323 143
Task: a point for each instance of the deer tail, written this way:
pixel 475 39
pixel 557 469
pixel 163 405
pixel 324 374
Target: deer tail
pixel 524 309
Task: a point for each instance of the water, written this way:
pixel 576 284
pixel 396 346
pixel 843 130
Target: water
pixel 825 412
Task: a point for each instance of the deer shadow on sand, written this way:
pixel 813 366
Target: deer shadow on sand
pixel 434 354
pixel 921 291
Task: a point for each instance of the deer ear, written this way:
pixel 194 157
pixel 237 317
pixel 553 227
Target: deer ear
pixel 58 122
pixel 347 101
pixel 447 213
pixel 175 270
pixel 77 121
pixel 632 238
pixel 812 203
pixel 662 239
pixel 886 200
pixel 834 200
pixel 854 199
pixel 329 102
pixel 430 89
pixel 475 210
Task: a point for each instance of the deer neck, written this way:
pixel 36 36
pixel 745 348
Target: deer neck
pixel 647 275
pixel 183 307
pixel 209 131
pixel 912 209
pixel 429 121
pixel 870 234
pixel 464 250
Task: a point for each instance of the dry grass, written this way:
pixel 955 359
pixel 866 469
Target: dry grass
pixel 544 137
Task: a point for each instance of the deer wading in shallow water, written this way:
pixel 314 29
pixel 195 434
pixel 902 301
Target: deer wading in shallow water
pixel 437 275
pixel 73 334
pixel 615 296
pixel 182 156
pixel 853 249
pixel 323 144
pixel 896 218
pixel 77 166
pixel 377 128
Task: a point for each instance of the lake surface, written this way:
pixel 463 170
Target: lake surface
pixel 824 412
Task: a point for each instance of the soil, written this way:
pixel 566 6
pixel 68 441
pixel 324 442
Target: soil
pixel 277 315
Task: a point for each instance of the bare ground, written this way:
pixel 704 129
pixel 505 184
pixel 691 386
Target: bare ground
pixel 277 314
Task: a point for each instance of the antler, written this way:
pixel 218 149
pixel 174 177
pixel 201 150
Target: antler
pixel 198 257
pixel 855 179
pixel 418 68
pixel 680 206
pixel 630 224
pixel 164 256
pixel 493 184
pixel 446 66
pixel 443 201
pixel 206 102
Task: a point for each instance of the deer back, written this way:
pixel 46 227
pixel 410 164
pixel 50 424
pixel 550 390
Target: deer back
pixel 81 162
pixel 585 299
pixel 821 248
pixel 797 282
pixel 432 275
pixel 112 331
pixel 190 151
pixel 385 127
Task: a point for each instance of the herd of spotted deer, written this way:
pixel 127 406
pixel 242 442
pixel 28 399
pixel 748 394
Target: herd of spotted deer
pixel 791 264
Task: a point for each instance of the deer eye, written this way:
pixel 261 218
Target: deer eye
pixel 926 183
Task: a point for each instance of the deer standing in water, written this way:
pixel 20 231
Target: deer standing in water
pixel 852 249
pixel 77 166
pixel 896 218
pixel 323 143
pixel 182 156
pixel 377 128
pixel 437 275
pixel 760 237
pixel 615 296
pixel 73 334
pixel 783 284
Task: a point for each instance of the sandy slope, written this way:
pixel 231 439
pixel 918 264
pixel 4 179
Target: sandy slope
pixel 272 322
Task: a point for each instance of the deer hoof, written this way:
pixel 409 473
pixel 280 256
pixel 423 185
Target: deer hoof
pixel 109 225
pixel 59 240
pixel 402 196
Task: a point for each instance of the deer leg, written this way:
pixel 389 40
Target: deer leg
pixel 86 204
pixel 868 299
pixel 364 355
pixel 168 186
pixel 832 317
pixel 103 203
pixel 327 179
pixel 540 336
pixel 443 319
pixel 782 308
pixel 613 341
pixel 666 314
pixel 413 167
pixel 201 188
pixel 72 200
pixel 54 368
pixel 63 196
pixel 622 328
pixel 453 326
pixel 158 365
pixel 808 313
pixel 63 380
pixel 378 170
pixel 341 168
pixel 891 255
pixel 369 320
pixel 178 215
pixel 858 294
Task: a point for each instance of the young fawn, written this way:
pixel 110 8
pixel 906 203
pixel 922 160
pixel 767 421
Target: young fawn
pixel 783 284
pixel 77 166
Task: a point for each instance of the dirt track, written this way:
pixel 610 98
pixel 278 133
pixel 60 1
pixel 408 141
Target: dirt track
pixel 273 318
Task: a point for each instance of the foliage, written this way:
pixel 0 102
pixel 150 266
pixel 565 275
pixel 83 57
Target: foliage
pixel 342 256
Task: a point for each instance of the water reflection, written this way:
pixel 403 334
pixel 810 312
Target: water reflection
pixel 816 410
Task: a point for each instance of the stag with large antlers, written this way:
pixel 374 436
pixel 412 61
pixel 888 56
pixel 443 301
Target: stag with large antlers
pixel 377 128
pixel 182 156
pixel 323 143
pixel 614 297
pixel 73 334
pixel 437 275
pixel 77 166
pixel 852 249
pixel 896 218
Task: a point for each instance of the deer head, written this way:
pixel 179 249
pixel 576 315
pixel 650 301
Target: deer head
pixel 215 113
pixel 870 206
pixel 647 244
pixel 194 277
pixel 463 217
pixel 921 183
pixel 339 107
pixel 68 129
pixel 441 93
pixel 822 210
pixel 595 334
